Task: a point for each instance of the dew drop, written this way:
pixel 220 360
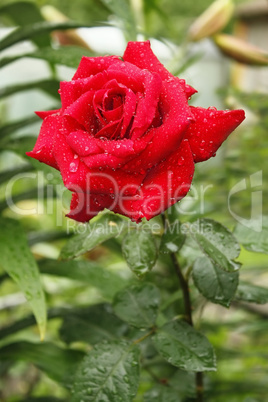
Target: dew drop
pixel 73 167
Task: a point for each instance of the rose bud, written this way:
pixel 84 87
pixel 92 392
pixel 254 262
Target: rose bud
pixel 240 50
pixel 214 18
pixel 125 137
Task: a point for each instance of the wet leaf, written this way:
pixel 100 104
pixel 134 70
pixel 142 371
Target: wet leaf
pixel 214 283
pixel 105 227
pixel 184 347
pixel 252 239
pixel 110 372
pixel 138 304
pixel 252 293
pixel 172 240
pixel 92 325
pixel 18 261
pixel 140 252
pixel 217 243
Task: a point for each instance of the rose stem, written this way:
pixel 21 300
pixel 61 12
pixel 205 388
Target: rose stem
pixel 188 311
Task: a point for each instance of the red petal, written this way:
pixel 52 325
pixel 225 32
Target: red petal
pixel 128 75
pixel 83 143
pixel 93 65
pixel 159 142
pixel 74 173
pixel 129 111
pixel 102 160
pixel 85 206
pixel 141 55
pixel 82 110
pixel 43 148
pixel 44 114
pixel 70 91
pixel 210 128
pixel 146 108
pixel 168 182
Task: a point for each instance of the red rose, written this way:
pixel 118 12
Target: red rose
pixel 125 137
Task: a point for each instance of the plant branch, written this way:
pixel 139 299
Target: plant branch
pixel 188 312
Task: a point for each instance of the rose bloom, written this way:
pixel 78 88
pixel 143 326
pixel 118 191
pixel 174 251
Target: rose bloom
pixel 125 137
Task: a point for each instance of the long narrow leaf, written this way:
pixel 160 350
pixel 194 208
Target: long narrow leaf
pixel 30 31
pixel 48 86
pixel 10 128
pixel 67 56
pixel 18 261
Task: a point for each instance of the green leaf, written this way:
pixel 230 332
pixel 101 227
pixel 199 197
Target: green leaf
pixel 105 227
pixel 50 86
pixel 162 393
pixel 138 304
pixel 140 252
pixel 67 56
pixel 10 128
pixel 23 13
pixel 217 243
pixel 32 30
pixel 216 285
pixel 182 346
pixel 18 261
pixel 252 293
pixel 172 240
pixel 90 273
pixel 92 325
pixel 110 372
pixel 58 363
pixel 253 240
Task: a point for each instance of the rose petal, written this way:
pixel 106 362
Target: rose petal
pixel 127 74
pixel 141 55
pixel 74 173
pixel 128 113
pixel 103 160
pixel 70 91
pixel 110 130
pixel 84 206
pixel 93 65
pixel 113 182
pixel 82 110
pixel 43 147
pixel 46 113
pixel 119 148
pixel 168 182
pixel 159 142
pixel 83 144
pixel 146 108
pixel 210 128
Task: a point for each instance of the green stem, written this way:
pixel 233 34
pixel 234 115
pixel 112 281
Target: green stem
pixel 145 336
pixel 188 312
